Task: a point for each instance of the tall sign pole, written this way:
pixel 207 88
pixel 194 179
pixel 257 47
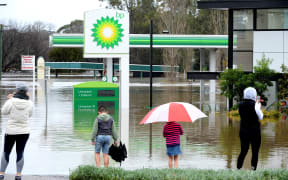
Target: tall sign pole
pixel 151 76
pixel 1 31
pixel 28 63
pixel 230 49
pixel 106 35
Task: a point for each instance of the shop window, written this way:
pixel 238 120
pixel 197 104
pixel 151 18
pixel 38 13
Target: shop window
pixel 272 19
pixel 243 19
pixel 243 60
pixel 243 40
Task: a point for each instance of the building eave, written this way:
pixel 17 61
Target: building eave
pixel 242 4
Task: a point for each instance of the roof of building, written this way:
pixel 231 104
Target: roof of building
pixel 242 4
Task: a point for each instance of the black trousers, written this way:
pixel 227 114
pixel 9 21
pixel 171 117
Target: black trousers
pixel 9 142
pixel 252 137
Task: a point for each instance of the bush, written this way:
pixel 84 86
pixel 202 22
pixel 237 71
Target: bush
pixel 273 114
pixel 283 83
pixel 234 81
pixel 94 173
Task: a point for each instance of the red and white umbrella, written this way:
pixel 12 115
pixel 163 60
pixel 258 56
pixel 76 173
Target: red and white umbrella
pixel 173 111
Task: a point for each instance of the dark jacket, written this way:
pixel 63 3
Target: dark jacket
pixel 249 119
pixel 104 125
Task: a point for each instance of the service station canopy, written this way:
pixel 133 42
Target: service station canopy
pixel 143 41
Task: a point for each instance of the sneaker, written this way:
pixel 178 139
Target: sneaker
pixel 17 177
pixel 1 177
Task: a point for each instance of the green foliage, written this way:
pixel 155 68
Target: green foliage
pixel 230 78
pixel 94 173
pixel 234 81
pixel 283 84
pixel 262 74
pixel 200 24
pixel 273 114
pixel 75 26
pixel 66 54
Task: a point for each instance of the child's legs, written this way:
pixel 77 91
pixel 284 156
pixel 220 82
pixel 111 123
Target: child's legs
pixel 106 159
pixel 98 145
pixel 97 159
pixel 170 161
pixel 105 149
pixel 176 161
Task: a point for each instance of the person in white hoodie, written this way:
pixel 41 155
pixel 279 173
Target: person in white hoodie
pixel 19 108
pixel 250 128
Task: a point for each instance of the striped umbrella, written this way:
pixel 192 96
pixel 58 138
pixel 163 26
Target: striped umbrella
pixel 173 111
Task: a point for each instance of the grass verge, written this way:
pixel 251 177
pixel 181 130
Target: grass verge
pixel 94 173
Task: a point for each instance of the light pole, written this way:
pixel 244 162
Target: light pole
pixel 151 58
pixel 1 30
pixel 151 82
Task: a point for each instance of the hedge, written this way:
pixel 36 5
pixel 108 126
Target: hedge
pixel 94 173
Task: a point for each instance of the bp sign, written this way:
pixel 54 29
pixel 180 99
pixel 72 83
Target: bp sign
pixel 106 33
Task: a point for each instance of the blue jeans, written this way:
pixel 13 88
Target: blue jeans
pixel 102 142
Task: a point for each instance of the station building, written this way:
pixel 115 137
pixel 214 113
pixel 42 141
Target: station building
pixel 260 27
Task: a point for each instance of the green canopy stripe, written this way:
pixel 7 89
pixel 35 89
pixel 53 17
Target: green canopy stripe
pixel 144 40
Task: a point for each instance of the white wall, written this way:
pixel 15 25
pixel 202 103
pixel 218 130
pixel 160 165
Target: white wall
pixel 274 45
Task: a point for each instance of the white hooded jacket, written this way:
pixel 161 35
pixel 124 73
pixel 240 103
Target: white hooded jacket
pixel 251 93
pixel 19 111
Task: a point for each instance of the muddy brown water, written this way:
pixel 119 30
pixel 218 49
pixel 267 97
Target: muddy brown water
pixel 57 146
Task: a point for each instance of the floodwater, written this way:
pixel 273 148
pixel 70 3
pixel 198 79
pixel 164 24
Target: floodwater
pixel 58 145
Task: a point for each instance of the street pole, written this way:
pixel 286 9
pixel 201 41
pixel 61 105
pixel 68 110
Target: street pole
pixel 151 58
pixel 1 30
pixel 230 50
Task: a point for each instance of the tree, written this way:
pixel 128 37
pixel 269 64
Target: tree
pixel 174 18
pixel 66 54
pixel 219 20
pixel 20 40
pixel 237 79
pixel 75 26
pixel 283 83
pixel 199 22
pixel 262 74
pixel 230 78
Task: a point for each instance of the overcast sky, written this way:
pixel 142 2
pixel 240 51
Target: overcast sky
pixel 57 12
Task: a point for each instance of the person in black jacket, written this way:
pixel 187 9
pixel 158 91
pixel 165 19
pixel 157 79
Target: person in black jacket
pixel 250 133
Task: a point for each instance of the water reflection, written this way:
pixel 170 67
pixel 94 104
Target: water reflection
pixel 212 142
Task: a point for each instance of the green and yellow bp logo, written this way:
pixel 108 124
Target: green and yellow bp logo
pixel 107 32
